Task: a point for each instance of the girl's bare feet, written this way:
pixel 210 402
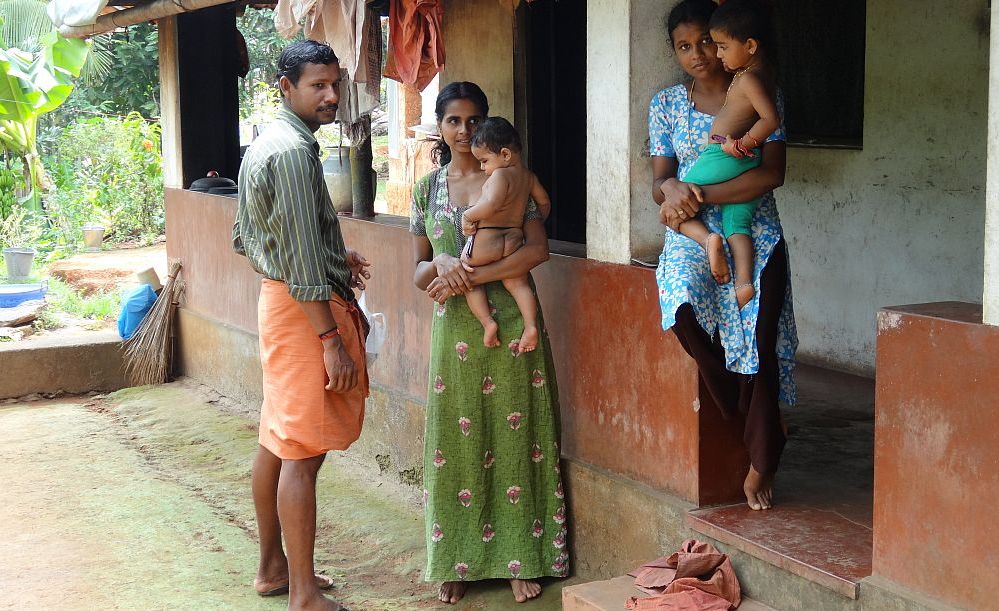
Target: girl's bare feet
pixel 452 591
pixel 491 336
pixel 525 589
pixel 759 489
pixel 714 245
pixel 529 339
pixel 744 294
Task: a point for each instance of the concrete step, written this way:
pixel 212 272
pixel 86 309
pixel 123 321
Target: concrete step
pixel 819 545
pixel 58 362
pixel 610 595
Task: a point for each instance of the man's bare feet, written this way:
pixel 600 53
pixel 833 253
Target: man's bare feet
pixel 452 591
pixel 525 589
pixel 491 336
pixel 759 489
pixel 276 586
pixel 716 258
pixel 744 294
pixel 318 603
pixel 529 339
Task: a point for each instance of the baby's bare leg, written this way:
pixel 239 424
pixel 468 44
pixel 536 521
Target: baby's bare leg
pixel 520 288
pixel 478 303
pixel 712 244
pixel 742 253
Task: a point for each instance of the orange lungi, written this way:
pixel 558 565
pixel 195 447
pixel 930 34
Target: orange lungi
pixel 300 418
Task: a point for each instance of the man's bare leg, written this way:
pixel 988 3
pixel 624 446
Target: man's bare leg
pixel 759 489
pixel 525 589
pixel 296 504
pixel 452 591
pixel 272 572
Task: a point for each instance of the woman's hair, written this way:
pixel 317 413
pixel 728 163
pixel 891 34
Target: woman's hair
pixel 297 54
pixel 459 90
pixel 745 19
pixel 495 134
pixel 689 11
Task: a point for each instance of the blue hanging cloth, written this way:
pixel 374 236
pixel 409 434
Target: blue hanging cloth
pixel 134 308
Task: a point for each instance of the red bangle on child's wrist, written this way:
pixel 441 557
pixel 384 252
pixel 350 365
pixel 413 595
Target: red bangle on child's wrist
pixel 334 332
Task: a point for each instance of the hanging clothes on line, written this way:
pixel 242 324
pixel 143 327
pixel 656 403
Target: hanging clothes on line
pixel 416 46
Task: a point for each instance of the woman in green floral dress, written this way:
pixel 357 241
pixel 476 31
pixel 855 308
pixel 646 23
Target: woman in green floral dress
pixel 495 507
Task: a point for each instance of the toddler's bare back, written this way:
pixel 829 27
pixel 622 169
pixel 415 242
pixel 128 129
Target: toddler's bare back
pixel 516 184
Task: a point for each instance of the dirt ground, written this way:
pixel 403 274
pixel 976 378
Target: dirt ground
pixel 140 500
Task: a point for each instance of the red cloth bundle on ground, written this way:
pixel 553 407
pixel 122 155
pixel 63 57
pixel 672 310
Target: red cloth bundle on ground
pixel 696 578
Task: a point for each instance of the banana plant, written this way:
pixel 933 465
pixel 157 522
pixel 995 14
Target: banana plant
pixel 32 84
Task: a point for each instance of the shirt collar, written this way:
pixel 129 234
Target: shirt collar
pixel 296 122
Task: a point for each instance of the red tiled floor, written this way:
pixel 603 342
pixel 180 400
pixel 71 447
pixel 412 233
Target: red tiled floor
pixel 820 526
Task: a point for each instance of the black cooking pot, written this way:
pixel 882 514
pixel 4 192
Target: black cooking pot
pixel 204 185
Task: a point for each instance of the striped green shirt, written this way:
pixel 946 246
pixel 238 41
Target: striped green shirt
pixel 285 224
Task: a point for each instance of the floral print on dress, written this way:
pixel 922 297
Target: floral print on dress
pixel 683 276
pixel 439 460
pixel 436 534
pixel 439 385
pixel 559 493
pixel 536 454
pixel 559 516
pixel 462 349
pixel 537 380
pixel 465 497
pixel 488 533
pixel 559 540
pixel 537 531
pixel 514 347
pixel 513 494
pixel 514 567
pixel 514 420
pixel 438 231
pixel 488 386
pixel 440 310
pixel 488 460
pixel 561 564
pixel 462 570
pixel 465 425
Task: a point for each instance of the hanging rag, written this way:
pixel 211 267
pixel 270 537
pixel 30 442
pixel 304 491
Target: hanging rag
pixel 416 47
pixel 288 15
pixel 696 578
pixel 75 13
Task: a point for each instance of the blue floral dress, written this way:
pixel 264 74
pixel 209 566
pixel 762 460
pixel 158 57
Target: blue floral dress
pixel 677 129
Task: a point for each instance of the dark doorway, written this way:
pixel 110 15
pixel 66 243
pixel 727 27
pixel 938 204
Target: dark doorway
pixel 551 107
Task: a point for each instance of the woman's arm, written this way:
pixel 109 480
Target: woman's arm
pixel 756 182
pixel 678 201
pixel 428 268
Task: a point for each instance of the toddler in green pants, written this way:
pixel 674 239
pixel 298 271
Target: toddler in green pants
pixel 742 32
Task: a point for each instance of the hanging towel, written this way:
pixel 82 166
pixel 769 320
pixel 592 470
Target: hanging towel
pixel 416 47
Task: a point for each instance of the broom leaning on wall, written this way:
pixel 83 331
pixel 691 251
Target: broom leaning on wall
pixel 149 353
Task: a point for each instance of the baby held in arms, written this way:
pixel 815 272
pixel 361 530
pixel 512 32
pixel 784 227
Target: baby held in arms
pixel 495 223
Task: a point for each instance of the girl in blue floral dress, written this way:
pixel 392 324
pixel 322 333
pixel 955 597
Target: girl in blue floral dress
pixel 745 357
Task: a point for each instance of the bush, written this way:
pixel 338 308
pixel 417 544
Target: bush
pixel 107 172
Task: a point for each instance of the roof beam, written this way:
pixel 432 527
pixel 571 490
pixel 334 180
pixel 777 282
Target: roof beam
pixel 157 9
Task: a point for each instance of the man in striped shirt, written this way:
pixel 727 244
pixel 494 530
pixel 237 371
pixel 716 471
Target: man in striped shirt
pixel 311 332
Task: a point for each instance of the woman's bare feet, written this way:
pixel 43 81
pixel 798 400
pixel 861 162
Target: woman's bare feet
pixel 759 489
pixel 744 294
pixel 320 603
pixel 452 591
pixel 525 589
pixel 714 245
pixel 529 339
pixel 491 336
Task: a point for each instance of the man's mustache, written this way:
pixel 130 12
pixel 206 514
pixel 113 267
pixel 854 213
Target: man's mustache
pixel 332 107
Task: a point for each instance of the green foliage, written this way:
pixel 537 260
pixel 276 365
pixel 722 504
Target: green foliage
pixel 96 306
pixel 263 45
pixel 11 183
pixel 21 228
pixel 33 83
pixel 107 172
pixel 132 83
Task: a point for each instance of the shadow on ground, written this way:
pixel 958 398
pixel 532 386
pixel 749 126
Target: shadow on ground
pixel 140 500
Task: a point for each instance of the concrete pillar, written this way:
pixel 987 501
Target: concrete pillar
pixel 990 298
pixel 170 103
pixel 628 61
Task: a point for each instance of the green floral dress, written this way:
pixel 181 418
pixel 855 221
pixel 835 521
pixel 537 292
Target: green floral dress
pixel 495 507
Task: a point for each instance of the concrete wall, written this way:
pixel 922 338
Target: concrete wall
pixel 478 42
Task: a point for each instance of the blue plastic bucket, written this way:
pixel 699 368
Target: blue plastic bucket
pixel 13 295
